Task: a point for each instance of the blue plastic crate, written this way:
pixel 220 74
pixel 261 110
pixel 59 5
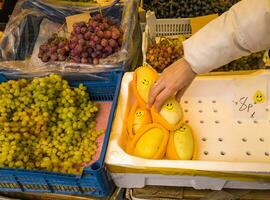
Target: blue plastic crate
pixel 95 179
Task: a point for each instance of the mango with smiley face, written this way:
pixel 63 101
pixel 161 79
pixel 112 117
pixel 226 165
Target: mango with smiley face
pixel 170 115
pixel 144 77
pixel 150 142
pixel 181 144
pixel 137 118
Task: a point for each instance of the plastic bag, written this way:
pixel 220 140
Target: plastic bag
pixel 33 22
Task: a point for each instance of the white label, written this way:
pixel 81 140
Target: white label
pixel 250 98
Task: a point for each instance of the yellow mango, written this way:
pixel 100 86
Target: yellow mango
pixel 137 118
pixel 144 78
pixel 170 115
pixel 149 144
pixel 171 111
pixel 181 144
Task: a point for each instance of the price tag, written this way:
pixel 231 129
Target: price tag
pixel 250 98
pixel 70 20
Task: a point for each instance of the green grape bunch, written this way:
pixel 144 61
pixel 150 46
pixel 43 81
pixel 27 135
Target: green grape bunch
pixel 46 124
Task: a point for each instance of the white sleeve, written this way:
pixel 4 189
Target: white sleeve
pixel 244 29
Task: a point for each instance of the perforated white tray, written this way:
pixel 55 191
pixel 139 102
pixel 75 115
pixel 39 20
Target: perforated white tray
pixel 226 143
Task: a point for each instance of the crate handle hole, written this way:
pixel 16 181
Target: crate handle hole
pixel 244 139
pixel 261 139
pixel 96 166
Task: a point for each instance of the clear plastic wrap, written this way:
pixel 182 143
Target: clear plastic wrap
pixel 33 22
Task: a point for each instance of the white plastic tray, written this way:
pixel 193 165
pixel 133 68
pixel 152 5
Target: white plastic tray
pixel 226 143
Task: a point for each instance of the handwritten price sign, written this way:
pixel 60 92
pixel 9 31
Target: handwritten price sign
pixel 250 98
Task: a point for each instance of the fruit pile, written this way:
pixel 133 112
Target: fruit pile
pixel 251 62
pixel 187 8
pixel 162 54
pixel 55 49
pixel 151 134
pixel 45 124
pixel 88 43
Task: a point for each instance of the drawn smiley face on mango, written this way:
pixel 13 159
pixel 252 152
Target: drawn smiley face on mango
pixel 170 114
pixel 181 144
pixel 259 97
pixel 144 78
pixel 137 118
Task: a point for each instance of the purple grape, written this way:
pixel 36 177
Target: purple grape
pixel 108 34
pixel 80 36
pixel 104 42
pixel 99 54
pixel 94 55
pixel 105 25
pixel 84 60
pixel 83 30
pixel 95 61
pixel 44 47
pixel 96 39
pixel 78 49
pixel 115 34
pixel 100 34
pixel 89 50
pixel 72 45
pixel 84 55
pixel 113 43
pixel 82 24
pixel 53 49
pixel 82 42
pixel 108 49
pixel 61 57
pixel 94 24
pixel 97 29
pixel 91 44
pixel 87 35
pixel 45 58
pixel 98 17
pixel 77 30
pixel 54 57
pixel 99 47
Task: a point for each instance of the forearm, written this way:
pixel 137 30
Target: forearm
pixel 244 29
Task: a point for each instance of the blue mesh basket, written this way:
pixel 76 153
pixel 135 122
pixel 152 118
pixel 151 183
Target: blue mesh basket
pixel 95 179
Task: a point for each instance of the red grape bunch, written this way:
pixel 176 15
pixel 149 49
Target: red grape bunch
pixel 55 49
pixel 98 39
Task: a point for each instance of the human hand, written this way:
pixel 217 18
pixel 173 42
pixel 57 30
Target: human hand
pixel 174 80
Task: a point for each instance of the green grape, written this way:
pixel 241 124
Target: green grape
pixel 46 124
